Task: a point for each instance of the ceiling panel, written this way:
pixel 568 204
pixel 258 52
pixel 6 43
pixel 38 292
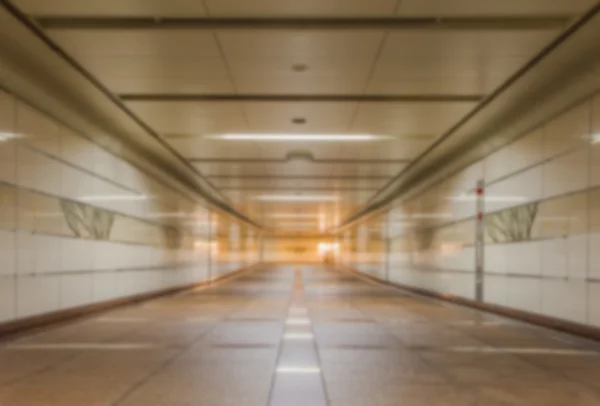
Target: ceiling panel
pixel 401 148
pixel 157 43
pixel 152 74
pixel 457 62
pixel 113 7
pixel 300 46
pixel 333 67
pixel 334 61
pixel 301 8
pixel 198 118
pixel 459 44
pixel 439 8
pixel 304 84
pixel 167 85
pixel 442 74
pixel 409 119
pixel 295 62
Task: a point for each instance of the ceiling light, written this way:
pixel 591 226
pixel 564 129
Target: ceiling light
pixel 7 136
pixel 594 138
pixel 299 120
pixel 299 137
pixel 299 67
pixel 297 198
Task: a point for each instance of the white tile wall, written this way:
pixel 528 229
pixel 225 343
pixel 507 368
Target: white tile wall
pixel 38 172
pixel 555 257
pixel 37 295
pixel 104 286
pixel 567 173
pixel 26 255
pixel 593 306
pixel 569 130
pixel 522 188
pixel 495 258
pixel 76 290
pixel 556 158
pixel 524 258
pixel 594 256
pixel 495 289
pixel 565 299
pixel 8 252
pixel 524 294
pixel 41 273
pixel 7 298
pixel 578 260
pixel 525 152
pixel 7 148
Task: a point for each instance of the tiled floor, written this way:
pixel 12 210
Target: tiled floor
pixel 290 336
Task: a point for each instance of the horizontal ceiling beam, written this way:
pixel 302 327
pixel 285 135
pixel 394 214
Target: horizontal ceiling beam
pixel 299 189
pixel 283 161
pixel 250 23
pixel 302 98
pixel 299 177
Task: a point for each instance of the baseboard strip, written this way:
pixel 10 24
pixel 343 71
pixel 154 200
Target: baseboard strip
pixel 553 323
pixel 28 324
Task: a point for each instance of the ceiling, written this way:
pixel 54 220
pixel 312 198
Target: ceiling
pixel 406 70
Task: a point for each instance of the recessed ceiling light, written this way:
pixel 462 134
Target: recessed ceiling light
pixel 299 137
pixel 299 120
pixel 300 67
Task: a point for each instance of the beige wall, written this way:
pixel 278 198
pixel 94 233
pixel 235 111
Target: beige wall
pixel 542 223
pixel 79 224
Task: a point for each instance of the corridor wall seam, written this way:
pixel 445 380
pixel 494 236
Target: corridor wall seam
pixel 542 223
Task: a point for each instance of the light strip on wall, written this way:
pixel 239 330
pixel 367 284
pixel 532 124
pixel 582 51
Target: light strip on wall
pixel 299 137
pixel 7 136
